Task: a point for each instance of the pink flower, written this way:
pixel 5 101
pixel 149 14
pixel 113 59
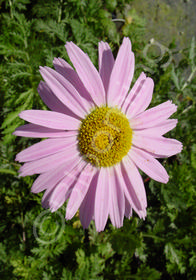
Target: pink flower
pixel 99 133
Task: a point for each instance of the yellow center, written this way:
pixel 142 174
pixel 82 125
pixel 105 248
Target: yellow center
pixel 104 137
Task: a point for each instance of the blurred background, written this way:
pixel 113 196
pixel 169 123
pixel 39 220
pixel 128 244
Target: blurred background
pixel 36 244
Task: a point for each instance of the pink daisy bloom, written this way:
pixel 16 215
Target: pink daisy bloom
pixel 99 133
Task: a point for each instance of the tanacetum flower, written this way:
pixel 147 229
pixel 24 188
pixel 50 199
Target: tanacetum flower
pixel 99 133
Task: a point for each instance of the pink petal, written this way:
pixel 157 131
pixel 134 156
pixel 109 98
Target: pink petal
pixel 79 191
pixel 158 130
pixel 50 119
pixel 59 194
pixel 49 163
pixel 129 185
pixel 122 74
pixel 37 131
pixel 154 116
pixel 116 199
pixel 50 99
pixel 142 100
pixel 142 214
pixel 87 206
pixel 157 146
pixel 87 73
pixel 148 164
pixel 106 63
pixel 135 191
pixel 73 94
pixel 101 200
pixel 46 198
pixel 133 92
pixel 63 190
pixel 70 74
pixel 64 91
pixel 45 148
pixel 49 179
pixel 128 209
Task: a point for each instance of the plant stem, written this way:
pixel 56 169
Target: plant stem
pixel 153 236
pixel 189 79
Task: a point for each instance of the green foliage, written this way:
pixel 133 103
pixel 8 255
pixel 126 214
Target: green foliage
pixel 37 244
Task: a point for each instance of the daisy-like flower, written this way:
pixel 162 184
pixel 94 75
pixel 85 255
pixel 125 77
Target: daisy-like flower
pixel 99 133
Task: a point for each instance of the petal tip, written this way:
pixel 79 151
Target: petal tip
pixel 41 68
pixel 166 180
pixel 17 158
pixel 68 215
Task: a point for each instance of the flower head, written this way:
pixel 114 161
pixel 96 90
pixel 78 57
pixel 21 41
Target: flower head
pixel 99 133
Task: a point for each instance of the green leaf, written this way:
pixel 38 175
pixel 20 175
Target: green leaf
pixel 193 156
pixel 13 115
pixel 10 118
pixel 147 273
pixel 175 78
pixel 8 171
pixel 192 52
pixel 171 253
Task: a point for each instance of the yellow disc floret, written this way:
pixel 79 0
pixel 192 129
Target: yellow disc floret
pixel 105 136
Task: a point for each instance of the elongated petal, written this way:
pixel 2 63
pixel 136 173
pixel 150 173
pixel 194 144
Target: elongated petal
pixel 133 92
pixel 154 116
pixel 116 199
pixel 79 191
pixel 50 99
pixel 135 191
pixel 64 91
pixel 65 188
pixel 142 100
pixel 122 74
pixel 72 93
pixel 128 209
pixel 48 163
pixel 158 130
pixel 106 63
pixel 87 73
pixel 87 206
pixel 50 119
pixel 49 179
pixel 149 165
pixel 37 131
pixel 45 148
pixel 161 146
pixel 70 74
pixel 46 198
pixel 128 189
pixel 101 200
pixel 60 193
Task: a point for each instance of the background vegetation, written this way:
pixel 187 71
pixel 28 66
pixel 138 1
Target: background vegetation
pixel 36 244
